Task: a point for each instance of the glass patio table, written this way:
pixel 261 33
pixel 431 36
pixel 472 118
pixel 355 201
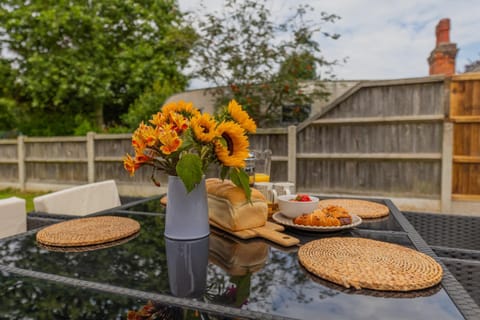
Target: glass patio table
pixel 217 277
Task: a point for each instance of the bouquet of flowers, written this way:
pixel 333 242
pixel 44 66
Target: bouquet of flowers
pixel 182 141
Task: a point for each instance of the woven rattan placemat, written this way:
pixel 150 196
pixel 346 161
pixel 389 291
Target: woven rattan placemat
pixel 92 247
pixel 371 264
pixel 362 208
pixel 88 231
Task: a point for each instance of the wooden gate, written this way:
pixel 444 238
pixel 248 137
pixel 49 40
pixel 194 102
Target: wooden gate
pixel 465 115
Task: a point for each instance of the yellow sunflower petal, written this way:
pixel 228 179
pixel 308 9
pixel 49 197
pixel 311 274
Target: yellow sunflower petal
pixel 185 108
pixel 203 127
pixel 235 150
pixel 241 116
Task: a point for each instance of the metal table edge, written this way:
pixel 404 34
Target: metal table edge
pixel 463 301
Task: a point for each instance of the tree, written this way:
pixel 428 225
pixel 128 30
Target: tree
pixel 240 50
pixel 82 63
pixel 7 103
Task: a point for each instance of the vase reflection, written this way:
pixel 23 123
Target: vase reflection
pixel 187 263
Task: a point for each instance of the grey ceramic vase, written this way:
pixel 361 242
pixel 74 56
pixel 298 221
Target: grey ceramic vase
pixel 187 213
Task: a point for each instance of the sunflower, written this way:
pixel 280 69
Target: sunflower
pixel 203 127
pixel 184 108
pixel 242 117
pixel 234 150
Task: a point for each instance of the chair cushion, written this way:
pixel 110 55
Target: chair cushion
pixel 13 216
pixel 80 200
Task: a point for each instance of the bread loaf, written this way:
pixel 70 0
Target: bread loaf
pixel 228 206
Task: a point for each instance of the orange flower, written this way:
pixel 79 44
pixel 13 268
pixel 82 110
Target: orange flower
pixel 179 123
pixel 130 165
pixel 158 119
pixel 169 139
pixel 144 136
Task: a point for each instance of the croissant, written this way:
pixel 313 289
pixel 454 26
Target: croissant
pixel 340 213
pixel 332 216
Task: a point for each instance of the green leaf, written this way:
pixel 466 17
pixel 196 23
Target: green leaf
pixel 189 169
pixel 224 172
pixel 240 179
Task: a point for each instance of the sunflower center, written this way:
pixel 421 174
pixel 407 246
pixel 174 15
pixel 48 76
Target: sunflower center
pixel 229 142
pixel 205 129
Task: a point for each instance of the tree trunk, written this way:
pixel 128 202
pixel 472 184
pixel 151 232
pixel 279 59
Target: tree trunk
pixel 99 116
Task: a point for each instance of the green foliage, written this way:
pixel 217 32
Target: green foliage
pixel 83 126
pixel 8 104
pixel 150 102
pixel 189 169
pixel 7 115
pixel 300 66
pixel 241 179
pixel 260 62
pixel 91 59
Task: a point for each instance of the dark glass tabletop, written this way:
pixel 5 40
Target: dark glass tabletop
pixel 24 297
pixel 220 273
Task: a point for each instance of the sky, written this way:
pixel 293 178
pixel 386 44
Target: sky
pixel 382 39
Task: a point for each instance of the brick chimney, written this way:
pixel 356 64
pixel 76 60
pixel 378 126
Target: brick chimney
pixel 442 58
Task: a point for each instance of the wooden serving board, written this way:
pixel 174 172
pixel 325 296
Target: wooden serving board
pixel 270 231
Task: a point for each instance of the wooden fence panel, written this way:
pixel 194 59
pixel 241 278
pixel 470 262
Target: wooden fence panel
pixel 56 172
pixel 377 177
pixel 8 161
pixel 36 149
pixel 277 141
pixel 465 114
pixel 384 139
pixel 372 138
pixel 390 100
pixel 8 173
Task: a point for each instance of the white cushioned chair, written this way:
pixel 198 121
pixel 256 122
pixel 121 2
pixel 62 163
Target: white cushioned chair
pixel 80 200
pixel 13 216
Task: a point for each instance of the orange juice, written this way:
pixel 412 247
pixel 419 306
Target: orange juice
pixel 262 177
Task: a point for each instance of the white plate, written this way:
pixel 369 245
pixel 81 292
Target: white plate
pixel 280 218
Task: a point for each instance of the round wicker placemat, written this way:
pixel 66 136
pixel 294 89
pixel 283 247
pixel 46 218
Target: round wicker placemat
pixel 362 208
pixel 371 264
pixel 92 247
pixel 87 231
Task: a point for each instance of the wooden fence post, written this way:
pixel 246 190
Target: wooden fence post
pixel 21 162
pixel 447 166
pixel 292 154
pixel 91 156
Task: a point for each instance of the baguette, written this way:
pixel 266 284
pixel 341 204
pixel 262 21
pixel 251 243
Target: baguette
pixel 228 206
